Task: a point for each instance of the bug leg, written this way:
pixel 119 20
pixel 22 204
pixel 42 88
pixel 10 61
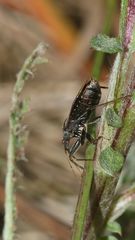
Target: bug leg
pixel 94 141
pixel 95 120
pixel 75 146
pixel 80 141
pixel 104 87
pixel 83 136
pixel 90 138
pixel 72 159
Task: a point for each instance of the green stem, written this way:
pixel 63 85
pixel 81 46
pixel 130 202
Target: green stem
pixel 99 56
pixel 83 198
pixel 104 185
pixel 14 122
pixel 123 16
pixel 10 209
pixel 81 209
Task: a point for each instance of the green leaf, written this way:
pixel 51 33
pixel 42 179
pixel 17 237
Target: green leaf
pixel 106 44
pixel 113 119
pixel 114 227
pixel 111 161
pixel 109 238
pixel 123 202
pixel 40 60
pixel 24 106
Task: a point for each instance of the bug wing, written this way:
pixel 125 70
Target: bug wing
pixel 76 107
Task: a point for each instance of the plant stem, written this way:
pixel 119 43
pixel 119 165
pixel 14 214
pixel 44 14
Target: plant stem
pixel 99 56
pixel 123 17
pixel 14 122
pixel 10 208
pixel 83 197
pixel 104 185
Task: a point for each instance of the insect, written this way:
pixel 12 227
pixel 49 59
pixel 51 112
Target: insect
pixel 74 128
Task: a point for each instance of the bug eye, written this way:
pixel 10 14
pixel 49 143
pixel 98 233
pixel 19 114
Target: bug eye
pixel 66 135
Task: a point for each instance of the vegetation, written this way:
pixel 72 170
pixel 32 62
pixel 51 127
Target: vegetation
pixel 97 203
pixel 17 138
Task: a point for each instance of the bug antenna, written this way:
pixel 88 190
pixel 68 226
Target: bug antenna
pixel 75 163
pixel 104 87
pixel 69 161
pixel 109 102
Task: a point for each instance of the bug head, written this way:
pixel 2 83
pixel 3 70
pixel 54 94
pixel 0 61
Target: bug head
pixel 65 140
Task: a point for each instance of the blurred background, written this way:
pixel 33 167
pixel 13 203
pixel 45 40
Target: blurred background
pixel 47 186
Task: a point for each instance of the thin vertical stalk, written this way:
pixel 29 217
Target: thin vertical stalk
pixel 83 198
pixel 15 118
pixel 81 209
pixel 102 184
pixel 10 207
pixel 99 56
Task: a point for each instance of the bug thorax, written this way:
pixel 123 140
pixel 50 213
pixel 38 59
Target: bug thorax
pixel 92 93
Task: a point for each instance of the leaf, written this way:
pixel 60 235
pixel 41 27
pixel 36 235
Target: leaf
pixel 123 202
pixel 106 44
pixel 113 119
pixel 109 238
pixel 24 106
pixel 111 161
pixel 114 227
pixel 40 60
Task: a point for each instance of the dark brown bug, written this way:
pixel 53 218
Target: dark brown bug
pixel 74 129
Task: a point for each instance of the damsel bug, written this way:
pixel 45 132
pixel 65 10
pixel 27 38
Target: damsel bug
pixel 74 127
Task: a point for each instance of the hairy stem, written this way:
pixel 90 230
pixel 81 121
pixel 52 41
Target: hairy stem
pixel 15 123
